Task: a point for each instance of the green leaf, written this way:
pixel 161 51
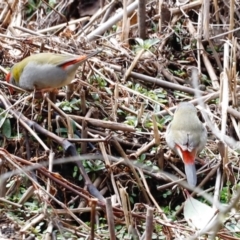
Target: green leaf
pixel 61 130
pixel 6 128
pixel 75 171
pixel 147 44
pixel 142 157
pixel 67 108
pixel 131 120
pixel 74 127
pixel 140 41
pixel 109 91
pixel 95 96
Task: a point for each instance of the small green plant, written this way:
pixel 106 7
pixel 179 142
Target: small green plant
pixel 167 193
pixel 32 207
pixel 154 27
pixel 145 44
pixel 158 95
pixel 97 80
pixel 131 120
pixel 180 73
pixel 145 164
pixel 101 83
pixel 5 124
pixel 225 194
pixel 31 7
pixel 121 232
pixel 75 171
pixel 52 3
pixel 63 132
pixel 93 166
pixel 38 228
pixel 205 79
pixel 159 231
pixel 69 106
pixel 160 122
pixel 90 167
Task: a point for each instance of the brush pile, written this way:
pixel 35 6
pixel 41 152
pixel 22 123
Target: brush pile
pixel 92 162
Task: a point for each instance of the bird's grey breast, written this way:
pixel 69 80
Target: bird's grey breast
pixel 41 76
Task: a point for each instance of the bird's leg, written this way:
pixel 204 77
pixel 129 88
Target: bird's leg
pixel 52 92
pixel 34 91
pixel 52 96
pixel 49 114
pixel 42 96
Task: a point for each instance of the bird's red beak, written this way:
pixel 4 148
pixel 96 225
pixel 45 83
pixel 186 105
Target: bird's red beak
pixel 8 80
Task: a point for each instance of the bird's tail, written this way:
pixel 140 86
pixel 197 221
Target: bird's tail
pixel 79 59
pixel 190 171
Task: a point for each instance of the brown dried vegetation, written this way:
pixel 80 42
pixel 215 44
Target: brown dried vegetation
pixel 110 122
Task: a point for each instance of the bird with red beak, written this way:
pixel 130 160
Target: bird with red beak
pixel 187 136
pixel 45 71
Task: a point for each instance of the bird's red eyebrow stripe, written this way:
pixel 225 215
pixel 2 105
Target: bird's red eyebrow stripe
pixel 69 63
pixel 188 157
